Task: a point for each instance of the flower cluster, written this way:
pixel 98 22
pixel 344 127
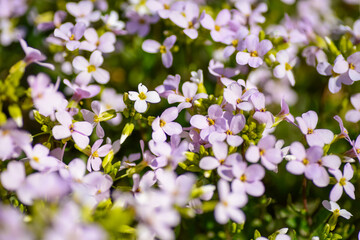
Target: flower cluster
pixel 231 135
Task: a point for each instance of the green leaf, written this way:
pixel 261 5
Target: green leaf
pixel 128 129
pixel 15 113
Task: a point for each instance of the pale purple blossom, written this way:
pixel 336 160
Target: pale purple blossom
pixel 234 94
pixel 140 24
pixel 261 114
pixel 94 117
pixel 189 96
pixel 40 159
pixel 70 34
pixel 112 100
pixel 283 70
pixel 211 123
pixel 152 46
pixel 33 55
pixel 14 175
pixel 163 8
pixel 255 51
pixel 142 97
pixel 219 28
pixel 229 204
pixel 82 91
pixel 266 151
pixel 314 137
pixel 79 131
pixel 164 125
pixel 170 85
pixel 94 160
pixel 343 183
pixel 248 179
pixel 104 43
pixel 90 69
pixel 83 12
pixel 353 115
pixel 113 23
pixel 188 18
pixel 59 16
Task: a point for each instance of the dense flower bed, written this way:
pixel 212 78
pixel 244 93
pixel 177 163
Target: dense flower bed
pixel 164 119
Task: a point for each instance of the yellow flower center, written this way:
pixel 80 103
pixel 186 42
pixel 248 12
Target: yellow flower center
pixel 254 54
pixel 235 42
pixel 91 68
pixel 191 25
pixel 162 49
pixel 358 150
pixel 243 178
pixel 287 67
pixel 342 181
pixel 210 121
pixel 337 212
pixel 262 152
pixel 71 128
pixel 221 161
pixel 225 203
pixel 142 96
pixel 95 154
pixel 188 99
pixel 310 131
pixel 334 74
pixel 166 6
pixel 36 159
pixel 238 101
pixel 228 132
pixel 263 110
pixel 351 66
pixel 96 118
pixel 72 37
pixel 162 123
pixel 217 28
pixel 305 161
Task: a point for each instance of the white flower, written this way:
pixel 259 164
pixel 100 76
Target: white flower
pixel 142 97
pixel 90 69
pixel 335 208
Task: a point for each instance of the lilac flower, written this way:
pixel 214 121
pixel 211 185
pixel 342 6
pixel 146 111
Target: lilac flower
pixel 94 117
pixel 251 16
pixel 168 154
pixel 139 24
pixel 152 46
pixel 229 204
pixel 189 96
pixel 265 151
pixel 83 91
pixel 163 7
pixel 59 16
pixel 261 115
pixel 356 147
pixel 97 187
pixel 94 161
pixel 234 125
pixel 219 30
pixel 113 23
pixel 90 69
pixel 314 54
pixel 83 12
pixel 45 96
pixel 284 68
pixel 12 222
pixel 170 85
pixel 219 70
pixel 12 140
pixel 234 95
pixel 353 115
pixel 128 162
pixel 187 18
pixel 164 125
pixel 147 180
pixel 49 186
pixel 335 208
pixel 142 97
pixel 285 113
pixel 33 55
pixel 248 179
pixel 104 44
pixel 314 137
pixel 14 176
pixel 235 41
pixel 79 131
pixel 71 34
pixel 343 72
pixel 344 132
pixel 303 158
pixel 213 122
pixel 343 182
pixel 40 159
pixel 255 51
pixel 179 187
pixel 74 172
